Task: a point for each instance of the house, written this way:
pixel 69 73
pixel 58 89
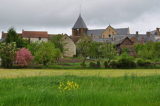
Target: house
pixel 34 36
pixel 127 44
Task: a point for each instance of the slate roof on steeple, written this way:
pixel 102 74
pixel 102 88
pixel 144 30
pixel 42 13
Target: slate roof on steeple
pixel 79 23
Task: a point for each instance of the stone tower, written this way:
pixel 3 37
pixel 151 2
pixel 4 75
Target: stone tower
pixel 79 28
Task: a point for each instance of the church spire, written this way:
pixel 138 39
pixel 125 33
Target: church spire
pixel 80 23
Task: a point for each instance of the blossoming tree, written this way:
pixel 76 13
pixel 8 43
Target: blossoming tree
pixel 23 57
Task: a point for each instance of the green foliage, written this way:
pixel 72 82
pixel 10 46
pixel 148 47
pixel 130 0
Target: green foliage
pixel 12 36
pixel 96 50
pixel 92 65
pixel 58 42
pixel 47 53
pixel 141 62
pixel 106 64
pixel 114 64
pixel 33 47
pixel 149 51
pixel 83 48
pixel 98 64
pixel 125 61
pixel 7 54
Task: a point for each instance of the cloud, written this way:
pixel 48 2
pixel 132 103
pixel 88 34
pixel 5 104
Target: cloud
pixel 58 16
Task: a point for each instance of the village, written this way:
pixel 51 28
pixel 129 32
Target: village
pixel 79 53
pixel 121 37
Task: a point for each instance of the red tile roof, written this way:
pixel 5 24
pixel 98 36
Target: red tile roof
pixel 34 34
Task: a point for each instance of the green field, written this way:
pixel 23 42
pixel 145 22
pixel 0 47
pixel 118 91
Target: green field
pixel 96 88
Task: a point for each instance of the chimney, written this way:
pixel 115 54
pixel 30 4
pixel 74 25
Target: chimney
pixel 137 33
pixel 148 33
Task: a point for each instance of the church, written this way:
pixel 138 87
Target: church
pixel 111 34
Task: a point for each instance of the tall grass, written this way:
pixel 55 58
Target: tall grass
pixel 93 91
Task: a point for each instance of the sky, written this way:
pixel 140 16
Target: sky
pixel 59 16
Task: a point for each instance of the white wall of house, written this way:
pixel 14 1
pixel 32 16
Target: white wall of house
pixel 37 39
pixel 70 47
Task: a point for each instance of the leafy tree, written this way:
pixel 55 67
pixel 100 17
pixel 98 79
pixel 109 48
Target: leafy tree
pixel 7 54
pixel 83 48
pixel 33 47
pixel 150 51
pixel 100 51
pixel 47 53
pixel 23 57
pixel 12 36
pixel 108 51
pixel 58 42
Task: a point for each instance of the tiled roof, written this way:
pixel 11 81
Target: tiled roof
pixel 79 23
pixel 122 31
pixel 98 32
pixel 34 34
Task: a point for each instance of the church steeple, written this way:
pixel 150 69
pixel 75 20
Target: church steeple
pixel 79 23
pixel 79 28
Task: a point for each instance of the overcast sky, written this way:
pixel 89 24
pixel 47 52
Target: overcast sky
pixel 59 16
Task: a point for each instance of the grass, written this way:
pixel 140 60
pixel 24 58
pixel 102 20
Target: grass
pixel 98 87
pixel 16 73
pixel 93 91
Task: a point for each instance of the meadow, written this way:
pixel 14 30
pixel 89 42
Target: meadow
pixel 95 87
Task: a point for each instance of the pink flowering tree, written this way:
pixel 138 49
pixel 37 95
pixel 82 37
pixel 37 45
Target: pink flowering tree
pixel 23 57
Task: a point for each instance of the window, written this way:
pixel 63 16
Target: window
pixel 40 38
pixel 109 35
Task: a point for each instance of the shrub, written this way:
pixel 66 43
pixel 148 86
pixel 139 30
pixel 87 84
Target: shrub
pixel 92 65
pixel 23 57
pixel 106 64
pixel 113 64
pixel 126 61
pixel 98 64
pixel 83 65
pixel 141 62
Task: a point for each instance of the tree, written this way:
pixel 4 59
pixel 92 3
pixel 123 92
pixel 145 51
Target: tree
pixel 7 54
pixel 12 36
pixel 149 51
pixel 47 53
pixel 108 51
pixel 23 57
pixel 33 46
pixel 58 42
pixel 83 48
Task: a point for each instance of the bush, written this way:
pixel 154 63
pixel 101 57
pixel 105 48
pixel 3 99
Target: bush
pixel 23 57
pixel 141 62
pixel 92 65
pixel 113 64
pixel 83 65
pixel 106 64
pixel 125 61
pixel 98 64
